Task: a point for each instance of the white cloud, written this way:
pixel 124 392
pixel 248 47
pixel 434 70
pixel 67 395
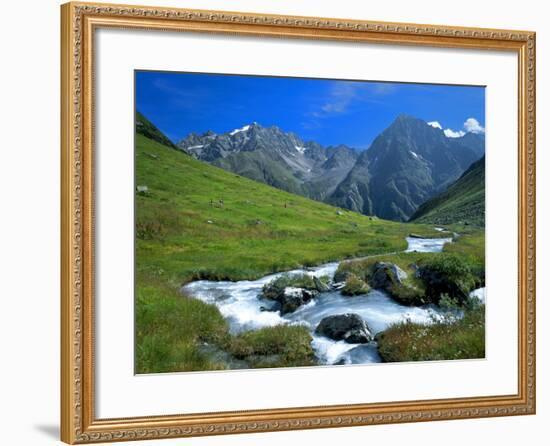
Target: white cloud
pixel 435 125
pixel 452 134
pixel 472 125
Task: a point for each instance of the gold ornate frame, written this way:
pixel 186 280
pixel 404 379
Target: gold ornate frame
pixel 78 423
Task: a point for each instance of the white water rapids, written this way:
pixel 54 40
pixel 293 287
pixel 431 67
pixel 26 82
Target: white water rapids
pixel 239 304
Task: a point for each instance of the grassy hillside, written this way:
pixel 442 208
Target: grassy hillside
pixel 148 129
pixel 199 221
pixel 194 220
pixel 463 201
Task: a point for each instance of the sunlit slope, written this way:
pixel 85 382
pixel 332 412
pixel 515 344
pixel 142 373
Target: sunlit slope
pixel 462 202
pixel 196 220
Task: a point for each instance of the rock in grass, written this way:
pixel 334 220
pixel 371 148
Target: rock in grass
pixel 391 279
pixel 321 286
pixel 340 275
pixel 354 286
pixel 349 327
pixel 386 275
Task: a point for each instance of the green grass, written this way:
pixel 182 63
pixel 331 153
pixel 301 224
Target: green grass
pixel 279 346
pixel 170 328
pixel 463 201
pixel 449 275
pixel 443 340
pixel 355 286
pixel 462 262
pixel 256 231
pixel 198 221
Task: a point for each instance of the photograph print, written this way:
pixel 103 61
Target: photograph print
pixel 292 222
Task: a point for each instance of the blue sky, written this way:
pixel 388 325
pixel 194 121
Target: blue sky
pixel 327 111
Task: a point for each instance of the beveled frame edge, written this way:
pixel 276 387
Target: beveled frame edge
pixel 78 21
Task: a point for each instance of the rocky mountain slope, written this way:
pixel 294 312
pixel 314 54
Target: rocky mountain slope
pixel 407 164
pixel 280 159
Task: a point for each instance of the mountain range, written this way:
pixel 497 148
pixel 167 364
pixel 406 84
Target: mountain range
pixel 407 164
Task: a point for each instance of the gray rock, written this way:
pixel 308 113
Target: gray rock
pixel 341 276
pixel 321 287
pixel 293 298
pixel 386 274
pixel 142 189
pixel 349 327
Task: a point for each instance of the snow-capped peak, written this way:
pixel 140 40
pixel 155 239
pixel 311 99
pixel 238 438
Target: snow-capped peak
pixel 242 129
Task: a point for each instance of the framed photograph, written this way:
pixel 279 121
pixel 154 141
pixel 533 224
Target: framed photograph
pixel 276 223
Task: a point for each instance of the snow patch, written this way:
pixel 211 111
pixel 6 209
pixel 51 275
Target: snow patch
pixel 414 154
pixel 242 129
pixel 300 149
pixel 200 146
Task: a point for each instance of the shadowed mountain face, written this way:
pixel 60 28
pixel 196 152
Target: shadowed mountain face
pixel 407 164
pixel 463 201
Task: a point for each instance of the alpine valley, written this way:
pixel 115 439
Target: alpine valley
pixel 410 162
pixel 255 248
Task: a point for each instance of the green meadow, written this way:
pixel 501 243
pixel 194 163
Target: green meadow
pixel 196 221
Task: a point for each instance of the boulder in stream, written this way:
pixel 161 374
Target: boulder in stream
pixel 348 327
pixel 391 279
pixel 385 275
pixel 321 286
pixel 292 298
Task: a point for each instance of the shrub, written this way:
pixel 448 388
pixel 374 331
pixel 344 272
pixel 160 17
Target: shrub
pixel 279 346
pixel 358 268
pixel 448 274
pixel 354 286
pixel 445 339
pixel 407 294
pixel 150 230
